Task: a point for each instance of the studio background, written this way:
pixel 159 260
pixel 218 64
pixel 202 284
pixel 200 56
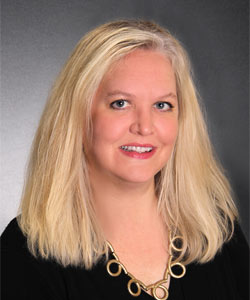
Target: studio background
pixel 38 36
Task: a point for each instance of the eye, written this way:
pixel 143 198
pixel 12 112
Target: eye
pixel 163 106
pixel 119 104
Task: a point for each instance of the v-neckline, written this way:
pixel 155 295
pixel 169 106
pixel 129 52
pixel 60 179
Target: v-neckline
pixel 114 288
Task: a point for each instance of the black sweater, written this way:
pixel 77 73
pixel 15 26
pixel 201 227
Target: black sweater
pixel 25 277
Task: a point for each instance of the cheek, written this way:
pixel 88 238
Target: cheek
pixel 168 131
pixel 107 129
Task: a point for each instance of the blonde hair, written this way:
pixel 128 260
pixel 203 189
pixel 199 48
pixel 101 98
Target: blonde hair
pixel 56 210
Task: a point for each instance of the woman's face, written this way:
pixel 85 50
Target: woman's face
pixel 135 118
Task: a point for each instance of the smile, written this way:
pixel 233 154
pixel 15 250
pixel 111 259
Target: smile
pixel 137 149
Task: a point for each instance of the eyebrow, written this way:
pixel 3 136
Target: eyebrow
pixel 117 92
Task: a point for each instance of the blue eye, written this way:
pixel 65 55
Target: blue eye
pixel 119 104
pixel 163 106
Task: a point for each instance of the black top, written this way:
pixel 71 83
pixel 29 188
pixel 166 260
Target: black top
pixel 24 277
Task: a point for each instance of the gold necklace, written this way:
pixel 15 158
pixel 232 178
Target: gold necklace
pixel 157 285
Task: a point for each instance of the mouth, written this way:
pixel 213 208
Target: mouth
pixel 137 149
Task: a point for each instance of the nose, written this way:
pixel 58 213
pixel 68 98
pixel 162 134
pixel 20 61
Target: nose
pixel 142 123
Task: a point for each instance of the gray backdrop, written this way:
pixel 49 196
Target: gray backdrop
pixel 37 37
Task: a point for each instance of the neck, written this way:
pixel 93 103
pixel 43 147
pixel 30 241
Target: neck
pixel 123 206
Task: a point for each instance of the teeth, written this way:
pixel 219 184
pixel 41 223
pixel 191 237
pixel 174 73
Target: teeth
pixel 137 149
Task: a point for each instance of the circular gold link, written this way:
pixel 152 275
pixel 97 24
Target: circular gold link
pixel 159 285
pixel 173 245
pixel 132 280
pixel 142 285
pixel 114 261
pixel 171 265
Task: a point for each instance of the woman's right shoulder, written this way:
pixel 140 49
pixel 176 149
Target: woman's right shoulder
pixel 23 275
pixel 12 238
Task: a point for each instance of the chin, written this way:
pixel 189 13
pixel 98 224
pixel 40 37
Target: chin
pixel 138 177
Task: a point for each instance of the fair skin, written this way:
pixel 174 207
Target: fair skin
pixel 135 106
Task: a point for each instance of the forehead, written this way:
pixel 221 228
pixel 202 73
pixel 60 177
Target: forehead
pixel 141 69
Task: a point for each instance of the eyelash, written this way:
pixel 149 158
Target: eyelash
pixel 116 102
pixel 112 105
pixel 168 103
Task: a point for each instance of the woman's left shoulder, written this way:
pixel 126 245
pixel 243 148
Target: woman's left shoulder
pixel 238 239
pixel 226 276
pixel 234 257
pixel 236 250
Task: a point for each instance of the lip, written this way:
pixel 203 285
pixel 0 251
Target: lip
pixel 134 154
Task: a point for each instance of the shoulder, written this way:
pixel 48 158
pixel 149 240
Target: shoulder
pixel 238 241
pixel 29 277
pixel 12 238
pixel 14 245
pixel 25 276
pixel 236 253
pixel 233 259
pixel 227 275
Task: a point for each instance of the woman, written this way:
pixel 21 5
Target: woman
pixel 123 196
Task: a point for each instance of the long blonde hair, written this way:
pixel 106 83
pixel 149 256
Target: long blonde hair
pixel 56 211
